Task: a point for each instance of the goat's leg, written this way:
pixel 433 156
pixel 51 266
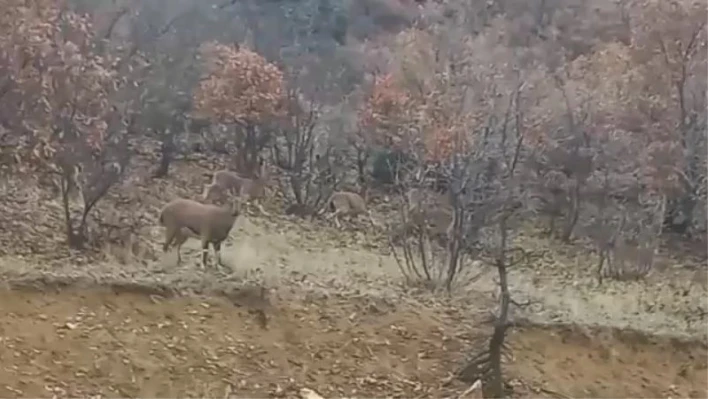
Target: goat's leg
pixel 260 208
pixel 205 252
pixel 179 240
pixel 334 215
pixel 217 253
pixel 328 216
pixel 169 237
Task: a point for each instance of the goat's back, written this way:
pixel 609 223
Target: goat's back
pixel 227 179
pixel 182 208
pixel 253 188
pixel 182 212
pixel 348 202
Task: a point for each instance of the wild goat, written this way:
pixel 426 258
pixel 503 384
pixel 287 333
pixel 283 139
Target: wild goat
pixel 245 189
pixel 424 214
pixel 345 203
pixel 185 218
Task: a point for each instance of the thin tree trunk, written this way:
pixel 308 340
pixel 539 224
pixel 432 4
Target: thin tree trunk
pixel 574 213
pixel 167 149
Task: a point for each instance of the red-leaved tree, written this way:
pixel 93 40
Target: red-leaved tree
pixel 385 121
pixel 57 103
pixel 243 89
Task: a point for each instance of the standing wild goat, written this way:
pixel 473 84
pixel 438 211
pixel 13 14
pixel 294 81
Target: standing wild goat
pixel 184 218
pixel 245 189
pixel 345 203
pixel 424 211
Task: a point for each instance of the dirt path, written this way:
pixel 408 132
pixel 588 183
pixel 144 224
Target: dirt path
pixel 278 253
pixel 98 342
pixel 562 285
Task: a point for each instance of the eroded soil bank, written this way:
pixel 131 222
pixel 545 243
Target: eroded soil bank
pixel 70 342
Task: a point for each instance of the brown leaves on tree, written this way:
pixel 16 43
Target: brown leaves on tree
pixel 386 115
pixel 58 103
pixel 424 103
pixel 648 87
pixel 239 86
pixel 397 118
pixel 56 88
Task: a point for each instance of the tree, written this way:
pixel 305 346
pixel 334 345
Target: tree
pixel 240 88
pixel 166 100
pixel 385 122
pixel 626 95
pixel 61 97
pixel 294 147
pixel 670 49
pixel 161 30
pixel 469 123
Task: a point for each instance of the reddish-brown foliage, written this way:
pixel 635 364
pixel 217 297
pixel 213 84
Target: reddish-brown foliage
pixel 57 102
pixel 56 88
pixel 395 117
pixel 240 86
pixel 386 115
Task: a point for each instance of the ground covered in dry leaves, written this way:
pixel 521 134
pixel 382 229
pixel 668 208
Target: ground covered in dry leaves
pixel 302 305
pixel 74 343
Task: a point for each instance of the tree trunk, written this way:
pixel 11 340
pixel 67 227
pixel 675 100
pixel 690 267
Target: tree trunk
pixel 167 149
pixel 73 239
pixel 494 387
pixel 296 185
pixel 573 213
pixel 361 158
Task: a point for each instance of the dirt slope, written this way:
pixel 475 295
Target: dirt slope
pixel 98 342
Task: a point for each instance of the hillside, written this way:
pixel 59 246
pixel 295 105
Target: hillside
pixel 338 319
pixel 522 187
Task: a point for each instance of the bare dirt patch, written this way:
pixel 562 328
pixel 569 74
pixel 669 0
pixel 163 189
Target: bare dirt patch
pixel 101 342
pixel 76 343
pixel 608 363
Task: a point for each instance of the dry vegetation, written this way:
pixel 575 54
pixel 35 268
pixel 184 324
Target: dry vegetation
pixel 535 173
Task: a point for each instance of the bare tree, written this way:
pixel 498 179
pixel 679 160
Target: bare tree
pixel 295 150
pixel 503 197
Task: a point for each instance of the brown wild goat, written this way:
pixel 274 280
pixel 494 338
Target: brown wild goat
pixel 185 218
pixel 245 189
pixel 428 211
pixel 342 203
